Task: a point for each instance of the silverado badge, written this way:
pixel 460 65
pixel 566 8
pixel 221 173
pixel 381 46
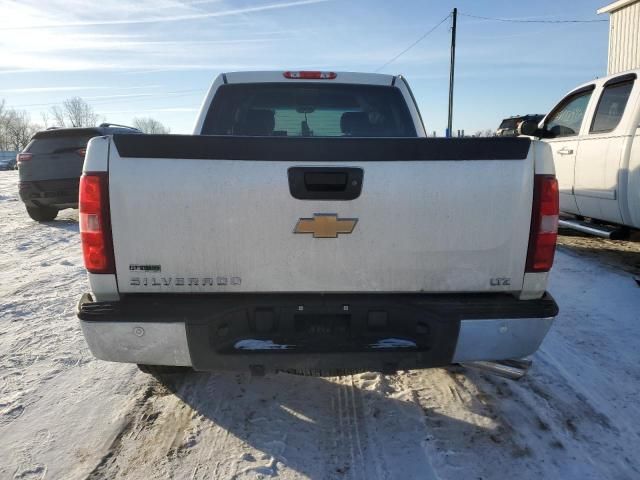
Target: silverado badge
pixel 325 225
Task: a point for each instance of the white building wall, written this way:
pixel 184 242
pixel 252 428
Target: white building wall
pixel 624 38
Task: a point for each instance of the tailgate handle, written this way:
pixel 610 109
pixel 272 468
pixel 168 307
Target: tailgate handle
pixel 325 183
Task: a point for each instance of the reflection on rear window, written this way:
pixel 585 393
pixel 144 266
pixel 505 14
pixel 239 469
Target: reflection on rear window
pixel 309 110
pixel 508 123
pixel 611 107
pixel 57 144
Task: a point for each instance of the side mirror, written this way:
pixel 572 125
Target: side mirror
pixel 529 128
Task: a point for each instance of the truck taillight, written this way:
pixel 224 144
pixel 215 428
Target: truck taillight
pixel 81 151
pixel 95 223
pixel 309 75
pixel 544 224
pixel 23 157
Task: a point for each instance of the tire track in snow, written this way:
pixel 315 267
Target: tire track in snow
pixel 216 438
pixel 373 446
pixel 355 430
pixel 348 418
pixel 356 415
pixel 108 466
pixel 146 432
pixel 386 428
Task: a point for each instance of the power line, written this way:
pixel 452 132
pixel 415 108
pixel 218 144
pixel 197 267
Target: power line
pixel 495 19
pixel 414 43
pixel 106 101
pixel 515 20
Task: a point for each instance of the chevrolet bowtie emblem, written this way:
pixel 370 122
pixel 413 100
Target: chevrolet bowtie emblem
pixel 325 225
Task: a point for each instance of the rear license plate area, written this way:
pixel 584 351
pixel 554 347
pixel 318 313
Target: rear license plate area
pixel 323 324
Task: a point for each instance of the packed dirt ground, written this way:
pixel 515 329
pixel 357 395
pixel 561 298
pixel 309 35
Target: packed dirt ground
pixel 624 255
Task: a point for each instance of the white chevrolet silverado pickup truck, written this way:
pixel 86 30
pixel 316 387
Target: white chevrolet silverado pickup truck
pixel 594 137
pixel 309 226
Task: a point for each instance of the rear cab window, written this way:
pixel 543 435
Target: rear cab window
pixel 612 104
pixel 309 110
pixel 56 145
pixel 508 123
pixel 60 140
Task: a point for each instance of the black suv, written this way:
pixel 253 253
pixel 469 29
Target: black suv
pixel 509 126
pixel 50 167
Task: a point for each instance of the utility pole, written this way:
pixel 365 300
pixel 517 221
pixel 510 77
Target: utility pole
pixel 454 17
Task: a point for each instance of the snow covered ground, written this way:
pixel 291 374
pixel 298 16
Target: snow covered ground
pixel 64 415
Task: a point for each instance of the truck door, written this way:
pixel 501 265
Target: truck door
pixel 563 125
pixel 598 164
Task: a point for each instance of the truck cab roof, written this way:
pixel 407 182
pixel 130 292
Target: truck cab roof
pixel 102 129
pixel 308 76
pixel 609 78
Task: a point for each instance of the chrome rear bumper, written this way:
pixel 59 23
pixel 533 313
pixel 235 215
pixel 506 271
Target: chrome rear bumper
pixel 500 339
pixel 138 342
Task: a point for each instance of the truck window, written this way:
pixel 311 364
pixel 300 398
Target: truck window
pixel 565 120
pixel 57 144
pixel 508 123
pixel 611 107
pixel 309 110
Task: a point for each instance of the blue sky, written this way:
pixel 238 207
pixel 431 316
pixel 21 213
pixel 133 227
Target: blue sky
pixel 157 58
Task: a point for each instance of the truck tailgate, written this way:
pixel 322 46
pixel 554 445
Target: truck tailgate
pixel 216 214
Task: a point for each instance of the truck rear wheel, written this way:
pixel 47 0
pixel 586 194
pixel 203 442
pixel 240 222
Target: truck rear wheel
pixel 157 370
pixel 42 214
pixel 170 377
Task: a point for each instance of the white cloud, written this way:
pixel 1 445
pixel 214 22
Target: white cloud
pixel 152 110
pixel 29 23
pixel 65 36
pixel 74 88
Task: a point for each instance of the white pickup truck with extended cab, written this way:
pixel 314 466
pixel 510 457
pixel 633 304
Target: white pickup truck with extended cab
pixel 593 135
pixel 310 226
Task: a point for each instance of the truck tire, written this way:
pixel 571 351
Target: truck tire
pixel 159 370
pixel 325 372
pixel 170 377
pixel 42 214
